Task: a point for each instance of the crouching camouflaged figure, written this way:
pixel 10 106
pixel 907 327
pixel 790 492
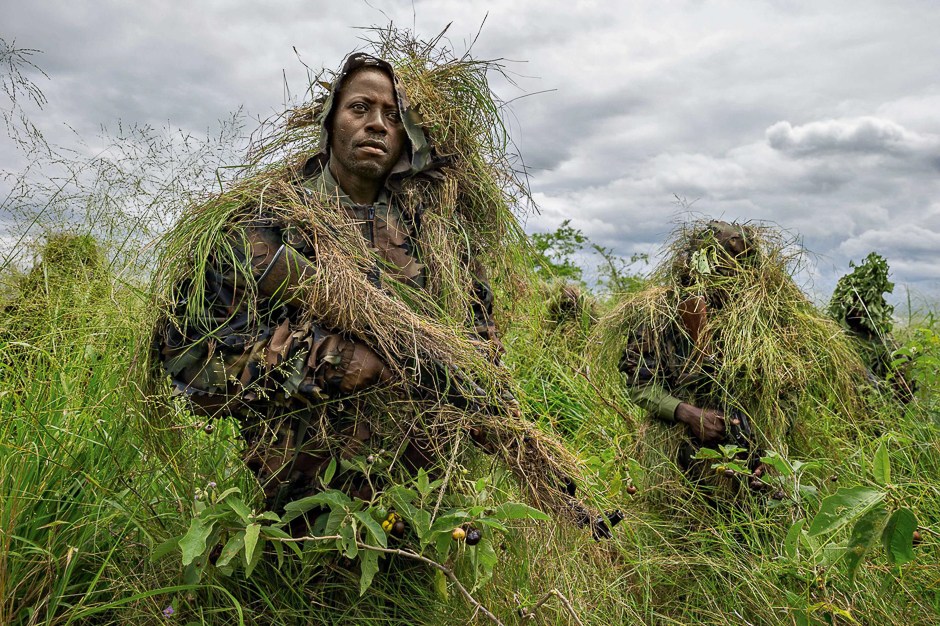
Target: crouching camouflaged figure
pixel 260 358
pixel 669 363
pixel 859 306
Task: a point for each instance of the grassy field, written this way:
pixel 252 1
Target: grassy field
pixel 94 475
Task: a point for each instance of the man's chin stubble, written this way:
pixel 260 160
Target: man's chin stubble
pixel 367 169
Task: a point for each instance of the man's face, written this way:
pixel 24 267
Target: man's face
pixel 367 133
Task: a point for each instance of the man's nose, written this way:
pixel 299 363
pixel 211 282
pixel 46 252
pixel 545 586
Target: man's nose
pixel 376 122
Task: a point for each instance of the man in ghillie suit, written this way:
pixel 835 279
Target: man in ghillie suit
pixel 337 304
pixel 724 348
pixel 858 304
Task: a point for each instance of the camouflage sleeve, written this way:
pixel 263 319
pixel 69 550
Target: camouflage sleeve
pixel 482 308
pixel 655 399
pixel 640 366
pixel 228 347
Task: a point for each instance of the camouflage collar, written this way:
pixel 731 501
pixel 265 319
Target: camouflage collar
pixel 326 186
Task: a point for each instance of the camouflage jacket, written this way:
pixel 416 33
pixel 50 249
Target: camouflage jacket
pixel 662 365
pixel 250 358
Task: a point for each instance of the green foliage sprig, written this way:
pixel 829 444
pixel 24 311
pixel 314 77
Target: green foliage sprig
pixel 872 514
pixel 226 534
pixel 858 300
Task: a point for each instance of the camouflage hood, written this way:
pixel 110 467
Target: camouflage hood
pixel 733 238
pixel 415 159
pixel 713 248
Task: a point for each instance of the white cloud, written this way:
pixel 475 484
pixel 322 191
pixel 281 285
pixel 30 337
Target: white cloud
pixel 864 134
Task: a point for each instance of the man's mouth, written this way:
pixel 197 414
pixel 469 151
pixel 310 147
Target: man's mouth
pixel 373 147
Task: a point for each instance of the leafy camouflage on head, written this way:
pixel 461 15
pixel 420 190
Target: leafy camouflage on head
pixel 858 302
pixel 717 248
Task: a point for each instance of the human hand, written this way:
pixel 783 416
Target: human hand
pixel 707 425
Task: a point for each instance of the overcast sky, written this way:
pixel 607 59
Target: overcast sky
pixel 820 116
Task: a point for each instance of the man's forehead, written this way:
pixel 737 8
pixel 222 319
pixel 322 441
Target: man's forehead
pixel 368 76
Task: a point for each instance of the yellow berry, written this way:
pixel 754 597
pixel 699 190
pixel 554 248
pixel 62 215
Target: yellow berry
pixel 458 534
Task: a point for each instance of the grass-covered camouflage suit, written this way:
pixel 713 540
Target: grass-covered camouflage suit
pixel 271 362
pixel 317 321
pixel 668 364
pixel 858 304
pixel 723 327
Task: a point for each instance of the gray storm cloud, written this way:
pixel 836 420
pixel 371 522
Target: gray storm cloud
pixel 820 117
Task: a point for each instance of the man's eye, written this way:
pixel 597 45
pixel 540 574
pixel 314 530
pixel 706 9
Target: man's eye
pixel 394 116
pixel 358 106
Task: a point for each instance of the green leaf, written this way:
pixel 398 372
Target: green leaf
pixel 375 529
pixel 440 583
pixel 192 573
pixel 348 541
pixel 791 545
pixel 898 537
pixel 330 472
pixel 637 471
pixel 843 507
pixel 737 467
pixel 401 494
pixel 444 540
pixel 808 490
pixel 165 548
pixel 251 541
pixel 492 523
pixel 214 512
pixel 270 531
pixel 228 492
pixel 485 556
pixel 864 535
pixel 730 451
pixel 421 522
pixel 232 547
pixel 279 549
pixel 777 462
pixel 699 263
pixel 253 563
pixel 331 498
pixel 239 507
pixel 422 483
pixel 449 522
pixel 369 563
pixel 193 543
pixel 831 553
pixel 334 521
pixel 403 506
pixel 517 510
pixel 882 465
pixel 707 453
